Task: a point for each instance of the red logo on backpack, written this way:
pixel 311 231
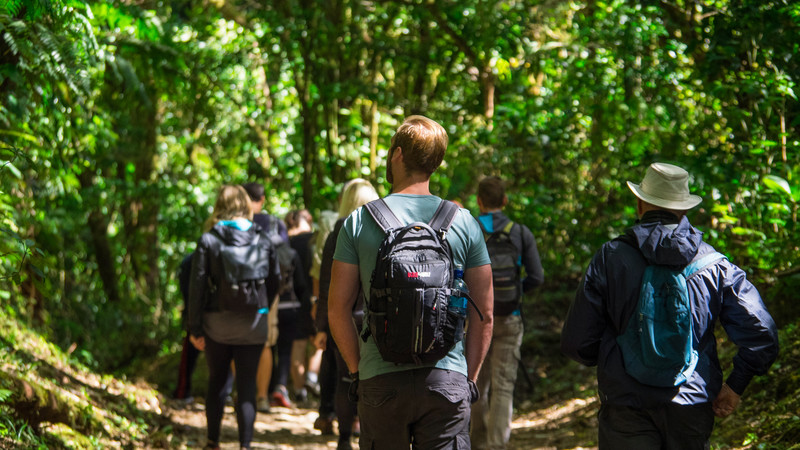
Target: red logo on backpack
pixel 419 274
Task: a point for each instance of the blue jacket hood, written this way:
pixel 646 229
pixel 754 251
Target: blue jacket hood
pixel 667 245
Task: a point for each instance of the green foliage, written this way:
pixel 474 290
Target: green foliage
pixel 768 416
pixel 49 401
pixel 121 120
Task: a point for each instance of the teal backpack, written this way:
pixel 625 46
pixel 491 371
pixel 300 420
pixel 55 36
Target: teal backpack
pixel 657 343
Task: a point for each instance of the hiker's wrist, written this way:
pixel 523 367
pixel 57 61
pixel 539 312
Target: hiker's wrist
pixel 738 382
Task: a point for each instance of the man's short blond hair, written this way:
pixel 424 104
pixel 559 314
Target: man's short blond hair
pixel 423 141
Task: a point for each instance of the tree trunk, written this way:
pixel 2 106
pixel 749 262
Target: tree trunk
pixel 103 255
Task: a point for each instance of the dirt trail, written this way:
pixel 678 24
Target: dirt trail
pixel 563 425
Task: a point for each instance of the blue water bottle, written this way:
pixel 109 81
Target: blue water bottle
pixel 458 304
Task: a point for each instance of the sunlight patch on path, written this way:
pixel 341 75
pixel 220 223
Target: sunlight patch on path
pixel 554 414
pixel 570 424
pixel 295 421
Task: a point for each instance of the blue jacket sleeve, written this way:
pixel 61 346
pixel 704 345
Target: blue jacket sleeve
pixel 749 326
pixel 586 321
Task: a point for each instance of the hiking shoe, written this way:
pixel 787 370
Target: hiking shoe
pixel 281 397
pixel 313 388
pixel 324 424
pixel 262 405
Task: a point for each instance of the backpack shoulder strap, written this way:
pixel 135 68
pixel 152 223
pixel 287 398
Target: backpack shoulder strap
pixel 272 225
pixel 383 215
pixel 507 229
pixel 444 216
pixel 700 264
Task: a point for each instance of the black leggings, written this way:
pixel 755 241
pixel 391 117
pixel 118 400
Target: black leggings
pixel 245 358
pixel 287 333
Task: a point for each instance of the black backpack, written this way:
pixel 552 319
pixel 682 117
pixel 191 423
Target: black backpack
pixel 506 272
pixel 408 313
pixel 245 268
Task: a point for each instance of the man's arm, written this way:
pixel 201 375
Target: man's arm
pixel 585 322
pixel 749 326
pixel 341 298
pixel 479 332
pixel 534 273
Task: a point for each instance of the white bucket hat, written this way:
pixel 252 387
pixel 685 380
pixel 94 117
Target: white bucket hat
pixel 666 186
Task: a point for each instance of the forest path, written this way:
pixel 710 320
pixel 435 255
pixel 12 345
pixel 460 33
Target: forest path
pixel 568 424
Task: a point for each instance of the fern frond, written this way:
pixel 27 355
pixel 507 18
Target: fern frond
pixel 12 7
pixel 12 43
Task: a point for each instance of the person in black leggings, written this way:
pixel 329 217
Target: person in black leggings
pixel 230 335
pixel 245 358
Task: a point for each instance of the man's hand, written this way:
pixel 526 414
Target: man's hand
pixel 199 342
pixel 726 402
pixel 321 340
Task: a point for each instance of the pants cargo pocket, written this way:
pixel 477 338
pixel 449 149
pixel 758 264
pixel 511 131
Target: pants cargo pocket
pixel 454 393
pixel 374 397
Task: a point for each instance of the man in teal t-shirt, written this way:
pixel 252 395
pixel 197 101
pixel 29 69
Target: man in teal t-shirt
pixel 401 404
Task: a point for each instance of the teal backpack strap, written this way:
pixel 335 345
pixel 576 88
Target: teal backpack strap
pixel 702 263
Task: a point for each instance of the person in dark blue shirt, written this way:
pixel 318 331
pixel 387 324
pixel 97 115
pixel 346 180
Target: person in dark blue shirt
pixel 634 415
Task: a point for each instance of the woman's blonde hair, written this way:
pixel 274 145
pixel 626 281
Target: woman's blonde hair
pixel 357 193
pixel 232 202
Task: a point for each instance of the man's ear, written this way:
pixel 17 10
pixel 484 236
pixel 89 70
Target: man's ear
pixel 505 200
pixel 639 207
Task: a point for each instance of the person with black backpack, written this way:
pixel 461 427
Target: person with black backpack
pixel 235 273
pixel 294 318
pixel 511 247
pixel 276 229
pixel 414 372
pixel 645 314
